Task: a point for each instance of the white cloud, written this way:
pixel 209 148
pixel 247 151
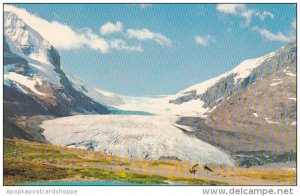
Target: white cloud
pixel 230 8
pixel 204 40
pixel 109 28
pixel 94 41
pixel 242 11
pixel 264 14
pixel 122 45
pixel 294 24
pixel 247 14
pixel 60 35
pixel 145 34
pixel 273 36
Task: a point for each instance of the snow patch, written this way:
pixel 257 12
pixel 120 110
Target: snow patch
pixel 219 99
pixel 244 69
pixel 186 128
pixel 209 111
pixel 275 84
pixel 25 81
pixel 40 57
pixel 271 122
pixel 19 87
pixel 43 69
pixel 293 98
pixel 290 74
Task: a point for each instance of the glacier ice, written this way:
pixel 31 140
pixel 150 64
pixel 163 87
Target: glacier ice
pixel 142 137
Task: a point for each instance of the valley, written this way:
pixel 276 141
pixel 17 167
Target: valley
pixel 242 124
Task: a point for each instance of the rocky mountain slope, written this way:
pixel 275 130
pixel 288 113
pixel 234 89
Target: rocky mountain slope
pixel 256 120
pixel 101 96
pixel 35 86
pixel 202 99
pixel 212 92
pixel 250 111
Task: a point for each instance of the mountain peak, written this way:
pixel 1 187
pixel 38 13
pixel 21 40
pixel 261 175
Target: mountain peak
pixel 26 41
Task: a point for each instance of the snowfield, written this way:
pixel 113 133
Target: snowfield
pixel 104 97
pixel 162 106
pixel 21 37
pixel 142 137
pixel 25 81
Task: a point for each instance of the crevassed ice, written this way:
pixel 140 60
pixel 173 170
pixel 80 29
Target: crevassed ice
pixel 149 137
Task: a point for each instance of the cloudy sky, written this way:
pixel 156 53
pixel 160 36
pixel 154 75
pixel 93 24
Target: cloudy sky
pixel 154 49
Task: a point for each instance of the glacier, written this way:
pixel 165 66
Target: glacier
pixel 141 137
pixel 195 107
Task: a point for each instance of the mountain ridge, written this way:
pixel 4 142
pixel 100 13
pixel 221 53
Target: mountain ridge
pixel 32 67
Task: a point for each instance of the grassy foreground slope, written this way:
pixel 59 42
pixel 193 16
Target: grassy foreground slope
pixel 26 161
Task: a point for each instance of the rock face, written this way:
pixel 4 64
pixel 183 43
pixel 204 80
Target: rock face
pixel 34 83
pixel 212 92
pixel 284 58
pixel 266 98
pixel 254 119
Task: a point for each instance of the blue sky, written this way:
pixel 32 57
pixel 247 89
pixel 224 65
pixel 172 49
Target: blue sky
pixel 161 48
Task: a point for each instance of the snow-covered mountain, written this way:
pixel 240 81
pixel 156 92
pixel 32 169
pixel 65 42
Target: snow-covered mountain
pixel 101 96
pixel 211 93
pixel 43 70
pixel 33 74
pixel 203 98
pixel 37 70
pixel 264 105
